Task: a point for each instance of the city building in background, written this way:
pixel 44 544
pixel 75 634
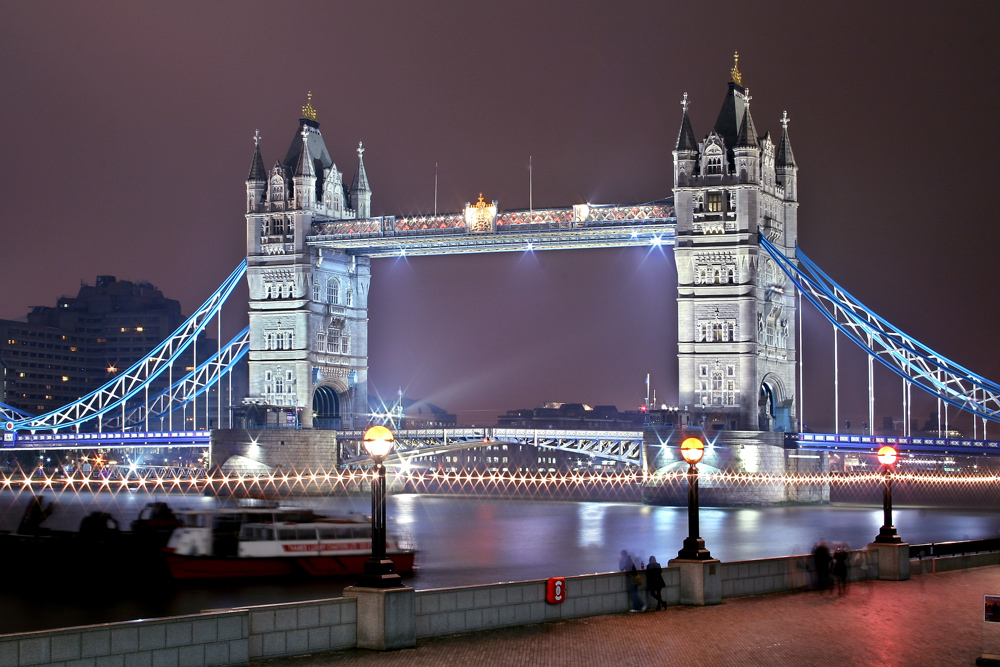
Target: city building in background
pixel 56 355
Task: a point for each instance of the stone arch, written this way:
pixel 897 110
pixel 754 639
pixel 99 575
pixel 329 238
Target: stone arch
pixel 327 406
pixel 772 404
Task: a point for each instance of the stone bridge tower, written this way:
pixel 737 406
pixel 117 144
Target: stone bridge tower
pixel 736 309
pixel 308 307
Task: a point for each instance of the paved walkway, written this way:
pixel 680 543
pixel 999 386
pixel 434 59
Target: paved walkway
pixel 933 619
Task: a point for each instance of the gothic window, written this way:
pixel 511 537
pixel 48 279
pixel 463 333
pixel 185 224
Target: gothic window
pixel 343 344
pixel 278 226
pixel 714 202
pixel 267 376
pixel 713 165
pixel 717 381
pixel 279 385
pixel 286 340
pixel 730 371
pixel 333 341
pixel 703 371
pixel 333 291
pixel 350 298
pixel 717 331
pixel 285 289
pixel 316 289
pixel 321 341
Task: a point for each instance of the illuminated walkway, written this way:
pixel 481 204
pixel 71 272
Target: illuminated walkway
pixel 933 619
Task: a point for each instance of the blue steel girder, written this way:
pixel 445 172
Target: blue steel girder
pixel 510 231
pixel 905 356
pixel 128 384
pixel 194 384
pixel 622 446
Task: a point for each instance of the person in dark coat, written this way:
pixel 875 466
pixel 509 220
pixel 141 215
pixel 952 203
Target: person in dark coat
pixel 841 568
pixel 655 583
pixel 822 562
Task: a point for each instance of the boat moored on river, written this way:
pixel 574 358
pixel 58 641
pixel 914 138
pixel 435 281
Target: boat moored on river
pixel 275 542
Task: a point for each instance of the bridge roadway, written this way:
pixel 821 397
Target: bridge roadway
pixel 483 229
pixel 621 446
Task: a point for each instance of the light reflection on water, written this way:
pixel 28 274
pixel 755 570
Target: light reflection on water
pixel 465 541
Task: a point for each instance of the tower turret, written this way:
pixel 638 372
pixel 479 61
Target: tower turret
pixel 361 194
pixel 257 180
pixel 305 176
pixel 785 169
pixel 686 150
pixel 746 152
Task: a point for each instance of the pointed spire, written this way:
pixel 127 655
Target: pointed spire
pixel 304 167
pixel 685 139
pixel 360 177
pixel 748 132
pixel 257 172
pixel 784 158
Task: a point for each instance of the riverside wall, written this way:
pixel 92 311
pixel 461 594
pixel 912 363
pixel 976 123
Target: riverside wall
pixel 238 636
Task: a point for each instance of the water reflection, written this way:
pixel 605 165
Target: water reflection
pixel 466 541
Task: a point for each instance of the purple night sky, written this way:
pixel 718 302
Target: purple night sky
pixel 127 134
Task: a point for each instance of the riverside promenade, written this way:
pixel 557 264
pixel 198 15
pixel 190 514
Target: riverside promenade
pixel 932 619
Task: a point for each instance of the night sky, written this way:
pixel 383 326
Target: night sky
pixel 126 133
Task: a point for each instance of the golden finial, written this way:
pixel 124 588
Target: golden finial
pixel 307 111
pixel 481 203
pixel 737 77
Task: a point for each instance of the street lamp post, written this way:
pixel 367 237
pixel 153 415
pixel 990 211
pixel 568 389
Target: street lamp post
pixel 692 449
pixel 378 572
pixel 887 534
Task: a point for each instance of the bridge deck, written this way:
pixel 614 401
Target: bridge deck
pixel 508 231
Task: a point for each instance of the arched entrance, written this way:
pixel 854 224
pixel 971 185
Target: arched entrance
pixel 326 408
pixel 774 411
pixel 765 407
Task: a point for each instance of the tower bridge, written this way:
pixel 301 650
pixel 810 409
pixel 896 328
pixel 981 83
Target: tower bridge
pixel 731 217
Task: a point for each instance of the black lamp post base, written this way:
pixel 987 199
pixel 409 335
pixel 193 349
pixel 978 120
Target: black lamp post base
pixel 379 574
pixel 888 535
pixel 694 549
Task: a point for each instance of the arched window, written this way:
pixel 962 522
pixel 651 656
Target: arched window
pixel 333 291
pixel 316 289
pixel 279 385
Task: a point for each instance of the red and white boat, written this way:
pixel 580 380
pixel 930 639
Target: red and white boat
pixel 230 543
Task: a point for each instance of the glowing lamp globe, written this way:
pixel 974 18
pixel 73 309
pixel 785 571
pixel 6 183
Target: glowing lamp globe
pixel 378 442
pixel 887 456
pixel 692 449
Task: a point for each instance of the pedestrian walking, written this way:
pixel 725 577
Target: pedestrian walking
pixel 822 562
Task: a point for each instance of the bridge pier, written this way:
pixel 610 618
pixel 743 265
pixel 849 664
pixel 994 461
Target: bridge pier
pixel 268 450
pixel 749 452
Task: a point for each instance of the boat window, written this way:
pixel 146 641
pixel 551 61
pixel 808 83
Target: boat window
pixel 257 533
pixel 306 533
pixel 286 534
pixel 195 520
pixel 331 534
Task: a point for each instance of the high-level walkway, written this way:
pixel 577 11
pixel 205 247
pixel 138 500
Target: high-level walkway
pixel 932 619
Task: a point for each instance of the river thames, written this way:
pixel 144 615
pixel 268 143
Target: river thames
pixel 461 541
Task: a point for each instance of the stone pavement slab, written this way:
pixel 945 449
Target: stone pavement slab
pixel 933 619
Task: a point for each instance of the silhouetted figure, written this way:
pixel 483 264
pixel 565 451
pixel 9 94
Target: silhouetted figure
pixel 632 580
pixel 34 515
pixel 841 568
pixel 822 563
pixel 655 583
